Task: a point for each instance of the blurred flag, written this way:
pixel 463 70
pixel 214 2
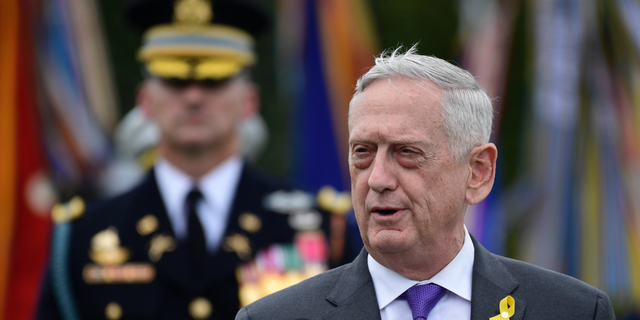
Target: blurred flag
pixel 324 46
pixel 56 108
pixel 574 206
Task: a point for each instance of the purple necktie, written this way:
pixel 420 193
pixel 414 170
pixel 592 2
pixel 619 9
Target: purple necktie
pixel 423 298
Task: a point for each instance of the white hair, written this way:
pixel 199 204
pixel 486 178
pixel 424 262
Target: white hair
pixel 467 113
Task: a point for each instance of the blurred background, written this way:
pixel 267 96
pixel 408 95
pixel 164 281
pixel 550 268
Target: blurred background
pixel 564 75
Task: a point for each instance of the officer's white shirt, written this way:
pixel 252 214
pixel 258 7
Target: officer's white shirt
pixel 455 277
pixel 218 189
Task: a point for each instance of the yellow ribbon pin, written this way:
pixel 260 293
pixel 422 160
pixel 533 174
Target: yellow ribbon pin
pixel 507 309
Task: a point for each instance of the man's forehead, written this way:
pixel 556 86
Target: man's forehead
pixel 405 86
pixel 397 95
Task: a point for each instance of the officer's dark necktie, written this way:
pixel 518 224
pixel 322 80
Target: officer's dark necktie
pixel 196 244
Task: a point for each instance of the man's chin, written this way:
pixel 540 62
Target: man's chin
pixel 192 146
pixel 388 241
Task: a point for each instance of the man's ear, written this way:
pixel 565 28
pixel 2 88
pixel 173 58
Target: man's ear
pixel 251 103
pixel 142 99
pixel 482 172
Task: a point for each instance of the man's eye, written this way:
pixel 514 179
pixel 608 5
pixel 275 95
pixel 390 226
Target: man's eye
pixel 361 150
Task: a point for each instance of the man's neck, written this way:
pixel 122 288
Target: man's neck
pixel 425 264
pixel 197 163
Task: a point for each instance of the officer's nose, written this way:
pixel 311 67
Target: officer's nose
pixel 193 93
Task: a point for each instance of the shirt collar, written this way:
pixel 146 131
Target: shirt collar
pixel 218 187
pixel 173 185
pixel 455 277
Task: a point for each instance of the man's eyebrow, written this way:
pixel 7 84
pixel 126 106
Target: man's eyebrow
pixel 428 145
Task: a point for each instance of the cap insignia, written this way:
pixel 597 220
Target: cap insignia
pixel 192 12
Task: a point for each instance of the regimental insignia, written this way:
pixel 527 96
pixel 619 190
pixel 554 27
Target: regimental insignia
pixel 330 200
pixel 249 222
pixel 71 210
pixel 239 244
pixel 200 308
pixel 113 311
pixel 106 250
pixel 159 245
pixel 147 225
pixel 192 12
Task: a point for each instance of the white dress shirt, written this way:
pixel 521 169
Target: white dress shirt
pixel 455 277
pixel 218 189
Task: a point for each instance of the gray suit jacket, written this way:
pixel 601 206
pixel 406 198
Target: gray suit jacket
pixel 348 293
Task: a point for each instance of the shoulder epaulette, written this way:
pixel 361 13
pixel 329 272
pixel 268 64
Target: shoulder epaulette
pixel 61 213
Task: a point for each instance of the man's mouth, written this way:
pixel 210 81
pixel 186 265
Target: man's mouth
pixel 385 211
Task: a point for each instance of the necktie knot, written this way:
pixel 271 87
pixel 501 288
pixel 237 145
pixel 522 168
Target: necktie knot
pixel 193 197
pixel 423 298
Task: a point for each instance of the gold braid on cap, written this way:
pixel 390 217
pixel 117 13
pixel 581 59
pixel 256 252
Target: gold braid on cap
pixel 191 47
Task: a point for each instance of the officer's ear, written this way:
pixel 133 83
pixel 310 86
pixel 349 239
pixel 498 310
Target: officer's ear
pixel 251 102
pixel 142 99
pixel 482 172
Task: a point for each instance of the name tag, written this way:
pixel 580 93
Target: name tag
pixel 126 273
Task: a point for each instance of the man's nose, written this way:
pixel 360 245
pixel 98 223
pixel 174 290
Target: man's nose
pixel 193 93
pixel 382 174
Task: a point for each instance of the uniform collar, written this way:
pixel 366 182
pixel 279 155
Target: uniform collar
pixel 455 277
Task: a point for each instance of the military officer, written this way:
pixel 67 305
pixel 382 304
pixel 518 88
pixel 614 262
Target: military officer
pixel 174 246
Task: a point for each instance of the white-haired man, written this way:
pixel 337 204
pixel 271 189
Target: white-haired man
pixel 419 154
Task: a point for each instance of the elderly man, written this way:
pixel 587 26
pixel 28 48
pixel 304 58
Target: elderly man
pixel 418 156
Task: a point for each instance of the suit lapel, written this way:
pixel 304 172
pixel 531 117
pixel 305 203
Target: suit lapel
pixel 354 295
pixel 173 265
pixel 491 283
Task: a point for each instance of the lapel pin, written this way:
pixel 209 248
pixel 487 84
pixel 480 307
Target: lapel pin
pixel 159 245
pixel 249 222
pixel 239 244
pixel 507 309
pixel 147 225
pixel 106 250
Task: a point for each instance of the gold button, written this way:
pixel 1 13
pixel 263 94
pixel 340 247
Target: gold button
pixel 200 308
pixel 113 311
